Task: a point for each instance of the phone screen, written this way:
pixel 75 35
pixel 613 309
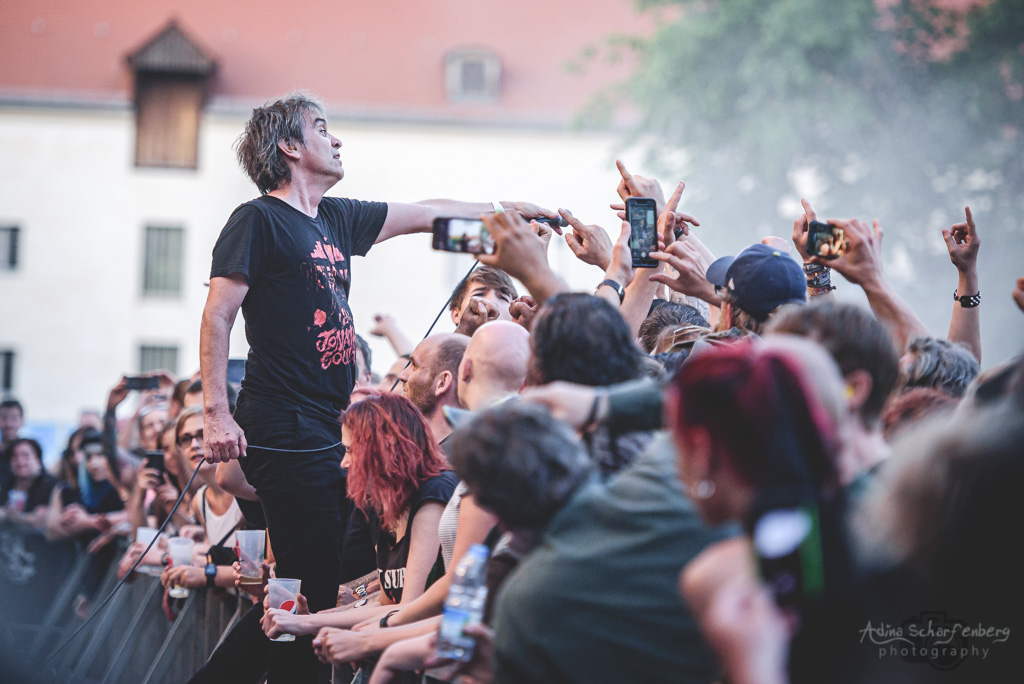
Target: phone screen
pixel 643 225
pixel 787 543
pixel 825 240
pixel 468 236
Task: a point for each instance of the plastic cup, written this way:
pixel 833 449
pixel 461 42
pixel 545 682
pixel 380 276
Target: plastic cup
pixel 284 594
pixel 16 500
pixel 144 535
pixel 180 550
pixel 251 546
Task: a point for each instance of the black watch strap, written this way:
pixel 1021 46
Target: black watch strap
pixel 967 301
pixel 211 575
pixel 619 290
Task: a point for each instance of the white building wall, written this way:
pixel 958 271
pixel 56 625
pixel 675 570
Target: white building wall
pixel 74 312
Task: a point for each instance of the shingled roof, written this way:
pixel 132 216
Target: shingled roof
pixel 171 51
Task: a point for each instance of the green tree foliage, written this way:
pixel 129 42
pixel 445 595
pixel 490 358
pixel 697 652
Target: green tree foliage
pixel 903 110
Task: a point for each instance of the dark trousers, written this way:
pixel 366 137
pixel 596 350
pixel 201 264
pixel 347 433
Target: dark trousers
pixel 302 495
pixel 242 656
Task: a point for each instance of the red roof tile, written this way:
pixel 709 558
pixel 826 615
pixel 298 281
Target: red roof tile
pixel 378 58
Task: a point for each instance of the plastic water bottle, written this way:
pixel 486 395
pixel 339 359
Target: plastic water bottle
pixel 464 605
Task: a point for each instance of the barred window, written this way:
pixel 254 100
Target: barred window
pixel 162 266
pixel 473 76
pixel 153 358
pixel 9 248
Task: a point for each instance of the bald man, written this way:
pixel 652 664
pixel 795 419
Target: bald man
pixel 494 365
pixel 430 380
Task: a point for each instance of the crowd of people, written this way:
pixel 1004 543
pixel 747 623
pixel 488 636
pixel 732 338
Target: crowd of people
pixel 709 471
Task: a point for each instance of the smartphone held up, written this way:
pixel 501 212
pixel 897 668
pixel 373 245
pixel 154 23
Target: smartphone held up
pixel 141 382
pixel 642 214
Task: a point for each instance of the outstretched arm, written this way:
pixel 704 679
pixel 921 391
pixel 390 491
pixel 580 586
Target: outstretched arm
pixel 963 242
pixel 384 325
pixel 520 253
pixel 862 265
pixel 404 219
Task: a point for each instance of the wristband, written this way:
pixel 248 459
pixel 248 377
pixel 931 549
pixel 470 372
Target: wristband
pixel 498 209
pixel 818 278
pixel 384 620
pixel 815 291
pixel 619 290
pixel 967 301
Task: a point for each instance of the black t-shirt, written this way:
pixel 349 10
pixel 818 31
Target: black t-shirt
pixel 38 493
pixel 297 319
pixel 109 502
pixel 392 554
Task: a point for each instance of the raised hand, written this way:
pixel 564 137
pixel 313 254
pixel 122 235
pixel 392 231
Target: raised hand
pixel 476 313
pixel 690 278
pixel 800 228
pixel 637 186
pixel 523 309
pixel 862 262
pixel 382 325
pixel 518 251
pixel 590 243
pixel 118 393
pixel 962 242
pixel 621 267
pixel 671 220
pixel 150 478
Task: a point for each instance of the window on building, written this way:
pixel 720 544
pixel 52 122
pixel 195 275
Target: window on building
pixel 9 248
pixel 152 358
pixel 162 265
pixel 473 76
pixel 171 77
pixel 6 372
pixel 167 110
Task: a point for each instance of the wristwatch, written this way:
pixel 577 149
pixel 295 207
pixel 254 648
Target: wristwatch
pixel 619 290
pixel 211 575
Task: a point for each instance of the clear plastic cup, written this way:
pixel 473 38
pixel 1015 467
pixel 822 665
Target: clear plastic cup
pixel 180 550
pixel 251 546
pixel 284 594
pixel 144 535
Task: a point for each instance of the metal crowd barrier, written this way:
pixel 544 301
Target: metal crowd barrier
pixel 131 641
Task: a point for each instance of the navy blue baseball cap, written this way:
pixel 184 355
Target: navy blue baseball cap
pixel 760 279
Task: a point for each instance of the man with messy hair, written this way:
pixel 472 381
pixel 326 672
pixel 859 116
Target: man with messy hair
pixel 284 260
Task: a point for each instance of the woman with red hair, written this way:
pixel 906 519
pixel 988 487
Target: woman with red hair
pixel 759 427
pixel 399 477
